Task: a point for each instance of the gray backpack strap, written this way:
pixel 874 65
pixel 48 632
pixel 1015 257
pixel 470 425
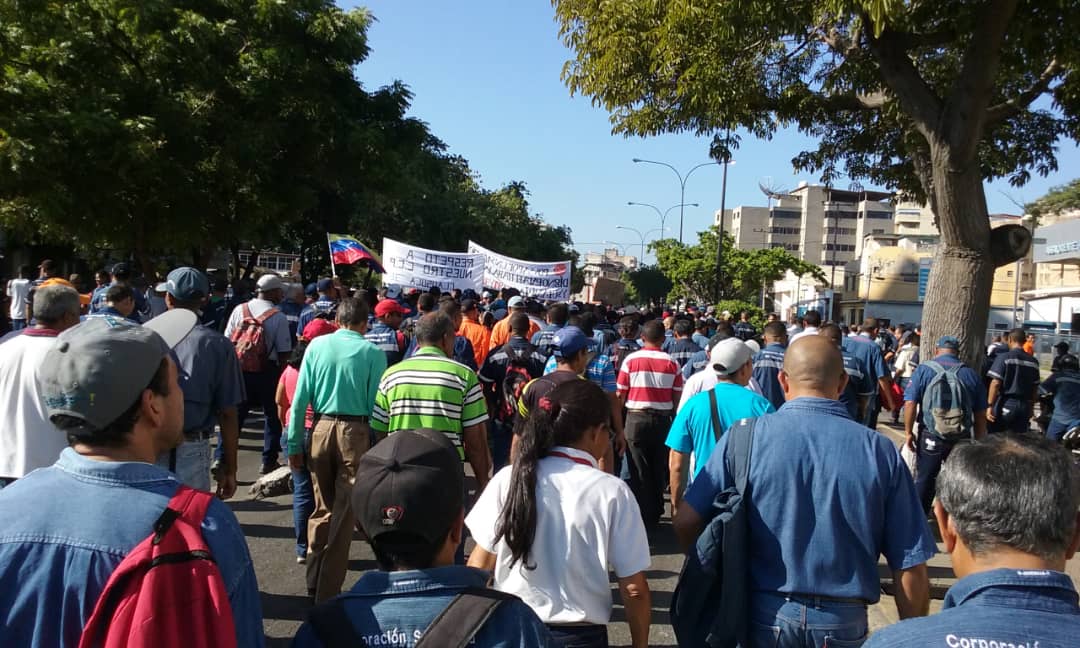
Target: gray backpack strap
pixel 737 457
pixel 714 409
pixel 459 622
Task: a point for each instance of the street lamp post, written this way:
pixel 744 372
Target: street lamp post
pixel 1018 319
pixel 663 215
pixel 641 261
pixel 682 185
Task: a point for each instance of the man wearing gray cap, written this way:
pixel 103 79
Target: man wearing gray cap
pixel 27 440
pixel 213 386
pixel 112 388
pixel 261 385
pixel 409 500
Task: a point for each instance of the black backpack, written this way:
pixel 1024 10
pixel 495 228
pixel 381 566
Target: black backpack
pixel 455 626
pixel 513 384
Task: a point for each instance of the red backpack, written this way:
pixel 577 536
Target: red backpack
pixel 250 340
pixel 168 592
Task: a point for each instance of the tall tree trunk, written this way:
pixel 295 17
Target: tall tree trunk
pixel 962 275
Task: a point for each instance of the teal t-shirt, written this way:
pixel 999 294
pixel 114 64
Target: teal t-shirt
pixel 692 430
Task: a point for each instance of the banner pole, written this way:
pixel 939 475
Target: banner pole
pixel 330 248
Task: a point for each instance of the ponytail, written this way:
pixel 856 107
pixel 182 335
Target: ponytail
pixel 560 418
pixel 517 522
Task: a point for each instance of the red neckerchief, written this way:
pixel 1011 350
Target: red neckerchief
pixel 40 332
pixel 583 462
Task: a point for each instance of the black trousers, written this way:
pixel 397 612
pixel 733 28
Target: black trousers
pixel 646 432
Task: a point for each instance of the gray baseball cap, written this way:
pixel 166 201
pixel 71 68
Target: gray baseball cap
pixel 97 370
pixel 186 284
pixel 729 355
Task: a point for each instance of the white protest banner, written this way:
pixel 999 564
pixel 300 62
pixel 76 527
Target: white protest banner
pixel 415 267
pixel 550 280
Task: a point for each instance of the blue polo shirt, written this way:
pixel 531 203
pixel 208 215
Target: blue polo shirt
pixel 767 365
pixel 695 364
pixel 543 339
pixel 827 497
pixel 1065 388
pixel 308 313
pixel 858 384
pixel 1018 373
pixel 682 350
pixel 1000 607
pixel 921 377
pixel 866 350
pixel 692 430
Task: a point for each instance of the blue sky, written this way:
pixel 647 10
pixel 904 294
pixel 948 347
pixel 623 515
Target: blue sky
pixel 486 78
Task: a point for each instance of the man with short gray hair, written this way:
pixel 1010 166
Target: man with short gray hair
pixel 1007 510
pixel 27 439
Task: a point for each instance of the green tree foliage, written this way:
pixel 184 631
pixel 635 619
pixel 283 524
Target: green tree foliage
pixel 1058 200
pixel 930 98
pixel 646 285
pixel 178 127
pixel 692 268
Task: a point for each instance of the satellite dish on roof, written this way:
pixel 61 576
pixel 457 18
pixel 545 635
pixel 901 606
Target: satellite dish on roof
pixel 771 190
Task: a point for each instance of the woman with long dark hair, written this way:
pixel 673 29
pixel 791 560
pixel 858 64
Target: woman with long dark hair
pixel 549 525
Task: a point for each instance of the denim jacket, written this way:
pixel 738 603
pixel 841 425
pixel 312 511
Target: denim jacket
pixel 394 609
pixel 65 528
pixel 1002 607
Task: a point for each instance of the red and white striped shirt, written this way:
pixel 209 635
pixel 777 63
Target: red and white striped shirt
pixel 651 380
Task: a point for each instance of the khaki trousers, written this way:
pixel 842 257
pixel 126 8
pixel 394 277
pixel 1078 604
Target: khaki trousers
pixel 336 447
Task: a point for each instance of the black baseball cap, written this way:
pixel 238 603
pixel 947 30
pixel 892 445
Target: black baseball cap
pixel 411 482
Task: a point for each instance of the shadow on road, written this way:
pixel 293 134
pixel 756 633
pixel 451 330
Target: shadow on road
pixel 284 606
pixel 267 531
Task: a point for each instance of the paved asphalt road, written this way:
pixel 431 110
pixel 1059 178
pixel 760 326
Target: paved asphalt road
pixel 268 524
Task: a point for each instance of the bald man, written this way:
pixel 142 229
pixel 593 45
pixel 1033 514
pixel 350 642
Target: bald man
pixel 828 497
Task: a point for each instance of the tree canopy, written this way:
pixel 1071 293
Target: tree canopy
pixel 929 98
pixel 1064 198
pixel 176 127
pixel 692 268
pixel 646 285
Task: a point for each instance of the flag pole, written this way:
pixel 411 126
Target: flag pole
pixel 330 248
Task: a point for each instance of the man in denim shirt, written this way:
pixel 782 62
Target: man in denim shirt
pixel 409 499
pixel 1009 552
pixel 827 497
pixel 112 387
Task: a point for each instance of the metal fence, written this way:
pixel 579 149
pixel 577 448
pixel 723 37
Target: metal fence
pixel 1044 344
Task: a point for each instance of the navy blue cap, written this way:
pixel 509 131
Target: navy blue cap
pixel 324 285
pixel 948 342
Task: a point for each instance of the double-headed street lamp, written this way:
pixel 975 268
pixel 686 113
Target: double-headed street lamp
pixel 644 236
pixel 682 185
pixel 663 215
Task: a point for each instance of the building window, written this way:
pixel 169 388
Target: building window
pixel 879 214
pixel 785 230
pixel 785 213
pixel 790 247
pixel 840 231
pixel 840 247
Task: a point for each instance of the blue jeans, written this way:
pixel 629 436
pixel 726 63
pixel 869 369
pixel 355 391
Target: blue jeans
pixel 261 388
pixel 578 636
pixel 192 463
pixel 1057 429
pixel 793 621
pixel 18 324
pixel 303 502
pixel 501 433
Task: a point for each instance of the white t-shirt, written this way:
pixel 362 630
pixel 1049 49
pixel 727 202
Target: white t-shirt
pixel 809 330
pixel 705 380
pixel 276 326
pixel 28 440
pixel 586 521
pixel 19 292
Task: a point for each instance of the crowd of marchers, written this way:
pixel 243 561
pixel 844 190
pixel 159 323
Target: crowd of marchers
pixel 508 459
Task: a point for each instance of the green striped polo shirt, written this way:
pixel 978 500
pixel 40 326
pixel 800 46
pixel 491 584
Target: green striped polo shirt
pixel 429 391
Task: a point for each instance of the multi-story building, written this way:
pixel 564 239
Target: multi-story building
pixel 1055 299
pixel 609 265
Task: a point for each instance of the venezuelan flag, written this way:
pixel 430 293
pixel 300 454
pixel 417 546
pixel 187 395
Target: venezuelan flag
pixel 345 250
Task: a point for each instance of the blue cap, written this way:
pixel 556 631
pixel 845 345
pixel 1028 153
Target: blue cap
pixel 186 284
pixel 948 342
pixel 324 285
pixel 568 340
pixel 311 289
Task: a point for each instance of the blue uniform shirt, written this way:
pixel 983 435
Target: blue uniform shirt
pixel 209 375
pixel 1018 373
pixel 695 364
pixel 692 430
pixel 867 351
pixel 394 609
pixel 827 497
pixel 64 529
pixel 767 365
pixel 320 305
pixel 921 377
pixel 1000 607
pixel 858 384
pixel 542 339
pixel 1065 387
pixel 682 350
pixel 291 310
